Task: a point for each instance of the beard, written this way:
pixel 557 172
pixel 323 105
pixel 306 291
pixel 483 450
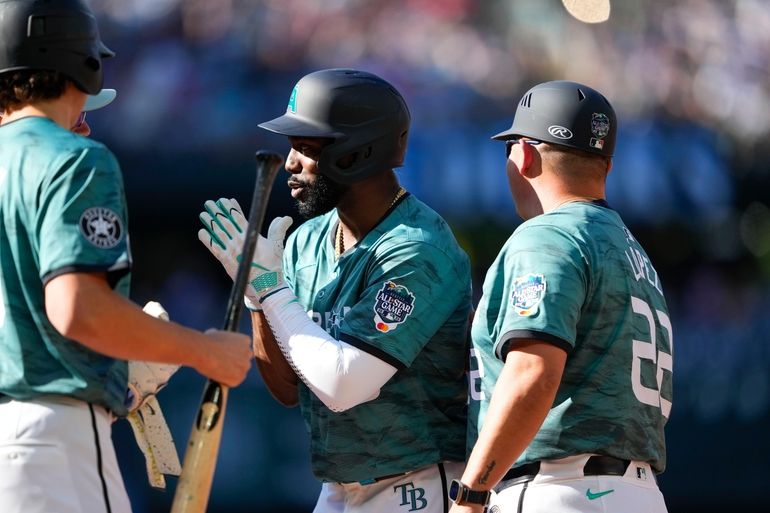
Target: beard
pixel 320 197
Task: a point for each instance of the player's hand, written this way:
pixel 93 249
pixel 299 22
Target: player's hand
pixel 230 361
pixel 224 236
pixel 146 379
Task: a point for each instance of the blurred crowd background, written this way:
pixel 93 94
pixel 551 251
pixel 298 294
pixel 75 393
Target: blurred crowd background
pixel 690 82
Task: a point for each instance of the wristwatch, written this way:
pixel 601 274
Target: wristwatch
pixel 461 494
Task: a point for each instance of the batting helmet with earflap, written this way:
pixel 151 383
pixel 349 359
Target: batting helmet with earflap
pixel 57 35
pixel 366 117
pixel 567 114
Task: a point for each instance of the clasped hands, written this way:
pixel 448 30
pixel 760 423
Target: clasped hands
pixel 224 235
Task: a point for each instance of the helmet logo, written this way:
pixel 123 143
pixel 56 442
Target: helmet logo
pixel 560 132
pixel 292 106
pixel 600 125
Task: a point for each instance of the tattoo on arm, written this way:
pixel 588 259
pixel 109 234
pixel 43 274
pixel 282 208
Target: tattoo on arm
pixel 485 477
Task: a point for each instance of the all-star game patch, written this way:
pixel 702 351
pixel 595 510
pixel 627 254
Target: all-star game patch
pixel 101 227
pixel 600 127
pixel 394 303
pixel 528 291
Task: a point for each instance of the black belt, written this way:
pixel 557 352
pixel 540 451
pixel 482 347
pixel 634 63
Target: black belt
pixel 595 466
pixel 381 478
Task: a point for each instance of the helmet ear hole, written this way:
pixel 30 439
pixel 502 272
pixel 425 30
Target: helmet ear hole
pixel 347 161
pixel 93 64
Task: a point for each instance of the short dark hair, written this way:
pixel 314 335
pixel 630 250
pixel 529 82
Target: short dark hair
pixel 21 87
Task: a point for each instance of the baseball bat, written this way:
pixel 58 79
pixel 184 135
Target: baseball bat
pixel 194 485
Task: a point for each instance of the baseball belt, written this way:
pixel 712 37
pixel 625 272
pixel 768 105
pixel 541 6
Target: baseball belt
pixel 597 465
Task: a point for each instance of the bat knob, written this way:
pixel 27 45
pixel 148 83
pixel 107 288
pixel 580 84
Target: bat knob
pixel 269 157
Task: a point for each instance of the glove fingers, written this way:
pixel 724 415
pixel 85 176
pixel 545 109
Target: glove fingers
pixel 218 220
pixel 212 227
pixel 231 210
pixel 236 212
pixel 214 212
pixel 277 230
pixel 214 245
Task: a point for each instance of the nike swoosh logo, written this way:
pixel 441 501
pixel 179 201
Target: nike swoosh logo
pixel 591 496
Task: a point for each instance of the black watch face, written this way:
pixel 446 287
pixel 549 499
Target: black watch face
pixel 454 489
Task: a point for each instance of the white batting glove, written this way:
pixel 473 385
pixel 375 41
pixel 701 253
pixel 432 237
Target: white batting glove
pixel 152 434
pixel 224 235
pixel 146 379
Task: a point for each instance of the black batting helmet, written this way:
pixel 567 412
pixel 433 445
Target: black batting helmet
pixel 365 115
pixel 567 114
pixel 57 35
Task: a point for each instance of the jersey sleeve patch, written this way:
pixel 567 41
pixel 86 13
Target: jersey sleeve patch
pixel 527 294
pixel 102 227
pixel 393 304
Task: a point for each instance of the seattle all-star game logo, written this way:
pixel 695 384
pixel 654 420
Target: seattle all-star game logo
pixel 527 293
pixel 394 303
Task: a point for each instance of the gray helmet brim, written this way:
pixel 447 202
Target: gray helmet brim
pixel 504 135
pixel 295 126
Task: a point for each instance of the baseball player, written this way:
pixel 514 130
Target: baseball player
pixel 571 365
pixel 66 325
pixel 368 311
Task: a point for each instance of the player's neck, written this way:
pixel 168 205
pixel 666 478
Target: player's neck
pixel 61 110
pixel 558 193
pixel 364 205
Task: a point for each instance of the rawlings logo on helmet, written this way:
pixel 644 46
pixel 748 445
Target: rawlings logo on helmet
pixel 560 132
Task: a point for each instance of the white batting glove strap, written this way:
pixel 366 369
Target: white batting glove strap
pixel 146 379
pixel 224 235
pixel 156 443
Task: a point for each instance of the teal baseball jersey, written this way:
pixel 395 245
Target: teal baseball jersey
pixel 576 277
pixel 62 210
pixel 402 294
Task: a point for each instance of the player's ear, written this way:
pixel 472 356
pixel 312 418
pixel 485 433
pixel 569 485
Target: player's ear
pixel 523 156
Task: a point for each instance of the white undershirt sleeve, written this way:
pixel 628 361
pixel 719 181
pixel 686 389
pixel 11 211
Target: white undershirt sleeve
pixel 341 375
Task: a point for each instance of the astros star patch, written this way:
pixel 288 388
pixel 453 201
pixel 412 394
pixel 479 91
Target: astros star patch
pixel 102 227
pixel 394 303
pixel 528 291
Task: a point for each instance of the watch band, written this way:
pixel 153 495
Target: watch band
pixel 461 494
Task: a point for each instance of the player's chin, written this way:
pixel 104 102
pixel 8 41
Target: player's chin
pixel 311 208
